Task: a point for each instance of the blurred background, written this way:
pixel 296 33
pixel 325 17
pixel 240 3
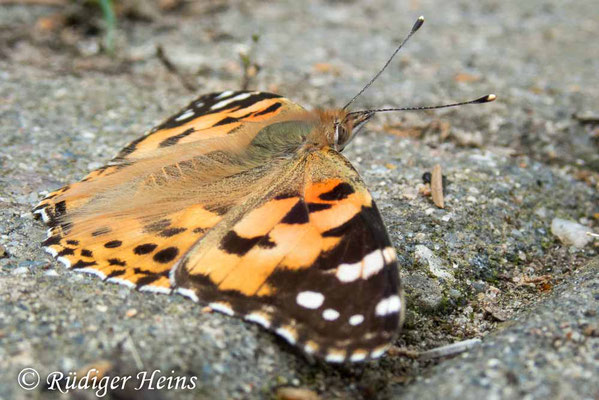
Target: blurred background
pixel 539 56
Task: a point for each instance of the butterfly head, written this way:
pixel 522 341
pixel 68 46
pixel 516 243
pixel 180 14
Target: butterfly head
pixel 340 127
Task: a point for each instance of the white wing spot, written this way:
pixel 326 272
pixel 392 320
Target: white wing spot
pixel 185 115
pixel 356 319
pixel 65 261
pixel 390 305
pixel 379 351
pixel 190 294
pixel 370 265
pixel 222 307
pixel 259 319
pixel 358 356
pixel 43 213
pixel 373 263
pixel 51 251
pixel 93 272
pixel 223 103
pixel 309 299
pixel 122 282
pixel 349 272
pixel 224 94
pixel 155 289
pixel 335 357
pixel 309 348
pixel 389 255
pixel 287 334
pixel 330 315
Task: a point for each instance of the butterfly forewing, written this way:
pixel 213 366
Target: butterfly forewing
pixel 209 116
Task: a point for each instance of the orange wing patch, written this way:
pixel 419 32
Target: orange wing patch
pixel 346 200
pixel 284 232
pixel 248 253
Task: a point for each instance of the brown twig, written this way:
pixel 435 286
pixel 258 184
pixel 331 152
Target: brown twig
pixel 437 186
pixel 585 119
pixel 183 78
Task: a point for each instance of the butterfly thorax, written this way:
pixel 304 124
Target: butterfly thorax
pixel 307 131
pixel 298 133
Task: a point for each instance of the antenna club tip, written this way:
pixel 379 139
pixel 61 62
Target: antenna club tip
pixel 418 24
pixel 486 99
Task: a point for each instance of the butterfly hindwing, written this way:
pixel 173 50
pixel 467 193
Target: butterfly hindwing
pixel 310 261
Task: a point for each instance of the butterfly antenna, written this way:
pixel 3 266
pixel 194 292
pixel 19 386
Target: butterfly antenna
pixel 485 99
pixel 416 26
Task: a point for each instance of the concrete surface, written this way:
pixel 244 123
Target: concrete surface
pixel 511 166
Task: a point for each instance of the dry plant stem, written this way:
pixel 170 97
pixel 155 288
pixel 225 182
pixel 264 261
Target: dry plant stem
pixel 184 79
pixel 586 119
pixel 451 349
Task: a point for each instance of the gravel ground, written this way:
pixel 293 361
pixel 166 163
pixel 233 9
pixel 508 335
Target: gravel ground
pixel 487 266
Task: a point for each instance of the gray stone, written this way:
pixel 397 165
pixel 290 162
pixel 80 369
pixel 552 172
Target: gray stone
pixel 546 352
pixel 571 232
pixel 423 291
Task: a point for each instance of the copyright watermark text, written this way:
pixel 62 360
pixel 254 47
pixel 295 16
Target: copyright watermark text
pixel 101 384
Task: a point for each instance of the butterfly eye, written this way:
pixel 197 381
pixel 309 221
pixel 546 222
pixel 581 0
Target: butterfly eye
pixel 341 136
pixel 336 136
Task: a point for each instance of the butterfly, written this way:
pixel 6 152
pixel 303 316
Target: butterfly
pixel 244 202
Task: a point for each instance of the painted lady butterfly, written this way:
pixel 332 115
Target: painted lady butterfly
pixel 243 201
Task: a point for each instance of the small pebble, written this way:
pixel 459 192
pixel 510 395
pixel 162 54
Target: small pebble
pixel 493 363
pixel 292 393
pixel 479 286
pixel 101 308
pixel 570 232
pixel 132 312
pixel 434 263
pixel 446 218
